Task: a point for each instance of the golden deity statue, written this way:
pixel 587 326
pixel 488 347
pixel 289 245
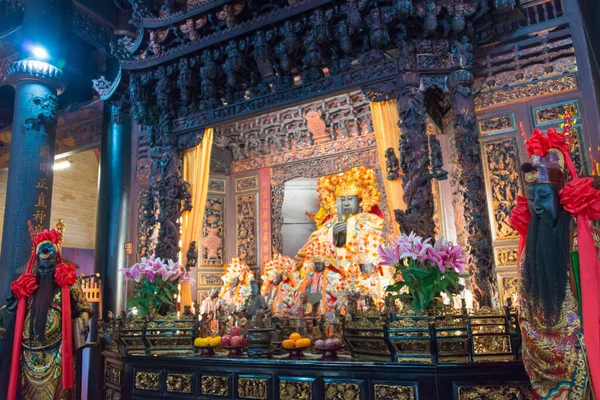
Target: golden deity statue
pixel 350 222
pixel 279 284
pixel 236 285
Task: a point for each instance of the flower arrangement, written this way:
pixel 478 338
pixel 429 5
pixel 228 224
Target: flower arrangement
pixel 426 270
pixel 157 281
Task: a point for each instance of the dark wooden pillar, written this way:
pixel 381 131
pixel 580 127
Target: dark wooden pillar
pixel 415 161
pixel 37 84
pixel 112 221
pixel 469 188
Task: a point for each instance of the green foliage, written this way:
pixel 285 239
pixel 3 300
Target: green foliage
pixel 424 282
pixel 159 293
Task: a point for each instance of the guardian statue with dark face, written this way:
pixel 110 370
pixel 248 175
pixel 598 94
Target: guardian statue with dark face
pixel 549 310
pixel 52 315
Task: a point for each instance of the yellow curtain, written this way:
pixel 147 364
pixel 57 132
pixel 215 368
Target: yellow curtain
pixel 387 134
pixel 196 171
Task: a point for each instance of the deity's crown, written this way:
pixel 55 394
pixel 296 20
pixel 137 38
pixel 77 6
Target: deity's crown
pixel 549 154
pixel 237 269
pixel 347 189
pixel 54 235
pixel 276 265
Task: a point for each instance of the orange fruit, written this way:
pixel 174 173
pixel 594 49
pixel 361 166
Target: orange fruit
pixel 288 344
pixel 302 343
pixel 215 342
pixel 200 342
pixel 295 336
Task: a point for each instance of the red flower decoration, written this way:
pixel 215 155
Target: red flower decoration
pixel 65 275
pixel 51 235
pixel 24 286
pixel 539 144
pixel 579 198
pixel 520 216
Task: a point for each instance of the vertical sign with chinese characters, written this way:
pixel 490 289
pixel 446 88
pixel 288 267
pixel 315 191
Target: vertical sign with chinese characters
pixel 265 242
pixel 42 193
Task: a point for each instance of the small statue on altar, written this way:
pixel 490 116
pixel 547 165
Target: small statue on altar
pixel 236 285
pixel 192 256
pixel 279 284
pixel 256 302
pixel 43 366
pixel 209 309
pixel 322 283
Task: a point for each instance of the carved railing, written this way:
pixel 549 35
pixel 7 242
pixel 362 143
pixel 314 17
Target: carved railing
pixel 446 336
pixel 534 12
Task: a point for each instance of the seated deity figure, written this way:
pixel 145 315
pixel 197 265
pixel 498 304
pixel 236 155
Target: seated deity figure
pixel 348 212
pixel 236 285
pixel 279 284
pixel 321 285
pixel 352 224
pixel 209 308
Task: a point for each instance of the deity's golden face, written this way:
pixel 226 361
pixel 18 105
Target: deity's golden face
pixel 347 205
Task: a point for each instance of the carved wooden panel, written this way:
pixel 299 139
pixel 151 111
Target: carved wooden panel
pixel 520 392
pixel 247 183
pixel 497 124
pixel 342 390
pixel 217 186
pixel 506 256
pixel 530 90
pixel 215 386
pixel 179 383
pixel 394 392
pixel 112 375
pixel 253 388
pixel 552 114
pixel 146 381
pixel 294 128
pixel 502 162
pixel 245 237
pixel 209 278
pixel 213 232
pixel 296 388
pixel 509 288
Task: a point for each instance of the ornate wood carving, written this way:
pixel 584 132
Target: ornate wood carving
pixel 217 186
pixel 247 62
pixel 213 232
pixel 553 113
pixel 334 391
pixel 215 386
pixel 314 168
pixel 146 381
pixel 245 184
pixel 112 375
pixel 494 392
pixel 296 128
pixel 295 389
pixel 415 160
pixel 502 171
pixel 394 392
pixel 246 228
pixel 510 285
pixel 179 383
pixel 506 257
pixel 469 189
pixel 252 388
pixel 499 124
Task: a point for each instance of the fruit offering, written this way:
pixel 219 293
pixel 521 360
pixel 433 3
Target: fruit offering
pixel 296 341
pixel 329 344
pixel 208 341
